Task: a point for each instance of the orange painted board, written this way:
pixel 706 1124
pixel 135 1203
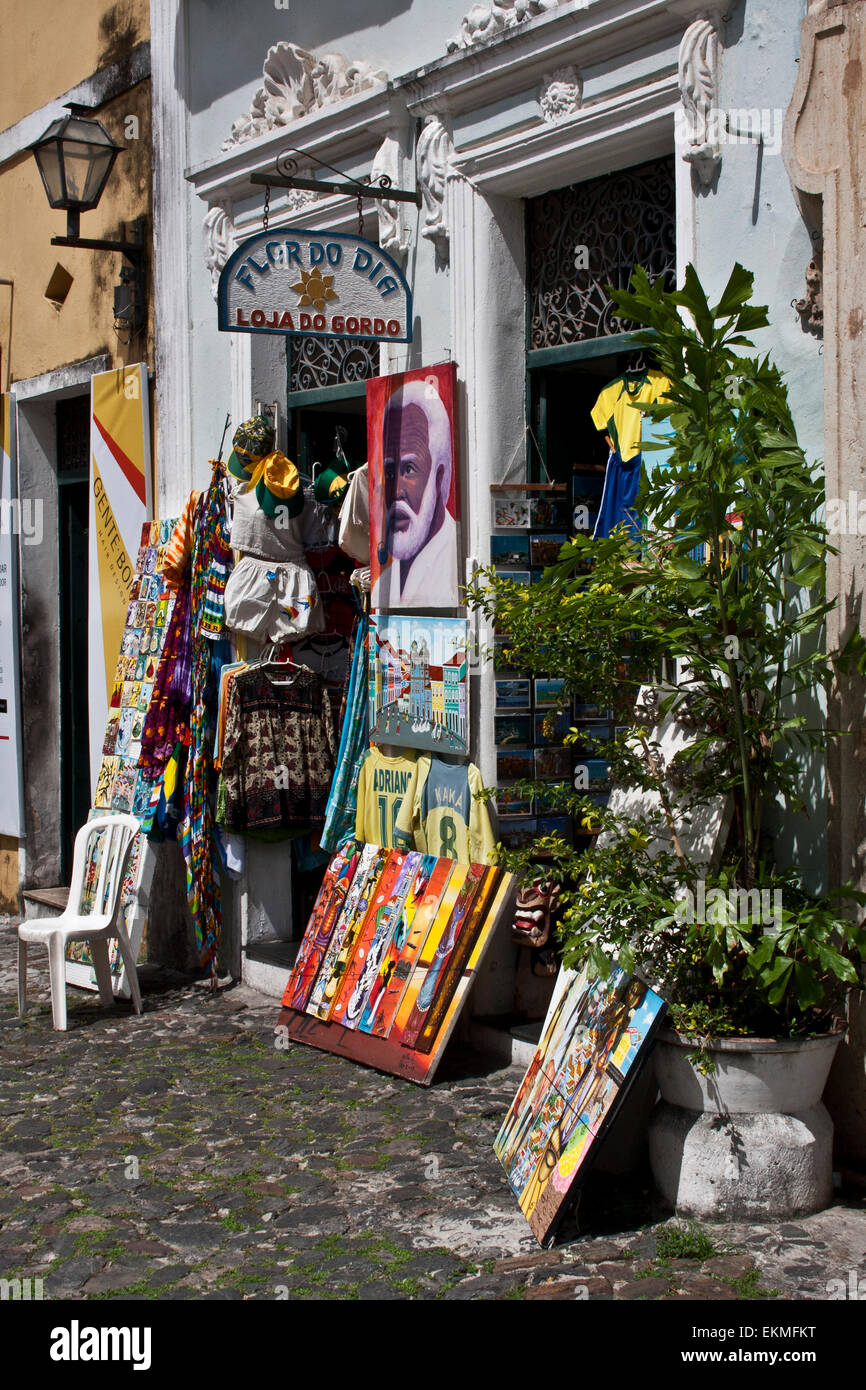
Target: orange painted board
pixel 431 878
pixel 326 910
pixel 374 937
pixel 444 950
pixel 438 927
pixel 370 866
pixel 452 969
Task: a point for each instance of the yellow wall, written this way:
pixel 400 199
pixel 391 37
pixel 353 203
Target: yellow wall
pixel 48 48
pixel 51 45
pixel 43 335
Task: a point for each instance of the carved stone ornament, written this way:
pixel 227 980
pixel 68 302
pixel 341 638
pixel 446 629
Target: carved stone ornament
pixel 218 230
pixel 393 235
pixel 561 94
pixel 296 82
pixel 433 155
pixel 811 306
pixel 698 135
pixel 486 21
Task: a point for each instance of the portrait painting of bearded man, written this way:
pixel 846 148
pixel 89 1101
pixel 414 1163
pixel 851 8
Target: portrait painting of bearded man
pixel 411 441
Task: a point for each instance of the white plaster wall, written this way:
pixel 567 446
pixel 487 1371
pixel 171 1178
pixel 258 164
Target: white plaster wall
pixel 229 44
pixel 750 216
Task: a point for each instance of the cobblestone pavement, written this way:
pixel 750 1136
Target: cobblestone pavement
pixel 182 1155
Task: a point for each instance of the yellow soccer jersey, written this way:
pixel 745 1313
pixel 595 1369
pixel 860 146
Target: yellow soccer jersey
pixel 441 816
pixel 382 784
pixel 615 413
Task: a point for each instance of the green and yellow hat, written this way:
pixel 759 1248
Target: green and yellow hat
pixel 274 477
pixel 330 486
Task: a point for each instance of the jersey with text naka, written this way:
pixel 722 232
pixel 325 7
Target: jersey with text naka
pixel 382 784
pixel 440 813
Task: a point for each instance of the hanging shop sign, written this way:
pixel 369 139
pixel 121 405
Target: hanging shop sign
pixel 314 284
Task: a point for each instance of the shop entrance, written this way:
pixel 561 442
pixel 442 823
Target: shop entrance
pixel 73 506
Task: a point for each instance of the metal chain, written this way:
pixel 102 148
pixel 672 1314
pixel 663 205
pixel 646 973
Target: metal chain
pixel 267 207
pixel 360 215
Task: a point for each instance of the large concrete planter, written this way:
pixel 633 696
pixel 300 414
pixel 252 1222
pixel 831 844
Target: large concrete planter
pixel 751 1140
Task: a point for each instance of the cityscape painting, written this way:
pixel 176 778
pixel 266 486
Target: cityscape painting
pixel 419 683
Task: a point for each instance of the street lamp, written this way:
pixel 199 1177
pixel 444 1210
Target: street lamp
pixel 75 157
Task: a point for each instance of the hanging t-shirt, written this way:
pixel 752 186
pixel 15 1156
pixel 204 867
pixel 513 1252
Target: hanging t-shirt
pixel 615 412
pixel 382 784
pixel 440 814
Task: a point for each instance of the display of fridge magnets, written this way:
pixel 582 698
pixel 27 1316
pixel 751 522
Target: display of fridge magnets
pixel 553 797
pixel 556 825
pixel 510 802
pixel 582 710
pixel 502 658
pixel 512 728
pixel 552 762
pixel 141 799
pixel 123 791
pixel 549 693
pixel 548 513
pixel 124 730
pixel 509 552
pixel 544 550
pixel 109 743
pixel 592 774
pixel 517 831
pixel 514 765
pixel 551 728
pixel 510 513
pixel 512 695
pixel 105 782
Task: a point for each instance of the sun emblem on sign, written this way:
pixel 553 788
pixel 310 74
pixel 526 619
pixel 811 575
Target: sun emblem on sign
pixel 315 288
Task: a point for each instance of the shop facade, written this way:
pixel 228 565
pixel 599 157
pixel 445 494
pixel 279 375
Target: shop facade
pixel 59 328
pixel 553 146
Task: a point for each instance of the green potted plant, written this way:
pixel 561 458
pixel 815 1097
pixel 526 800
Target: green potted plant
pixel 725 587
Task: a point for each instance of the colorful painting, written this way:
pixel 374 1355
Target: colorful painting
pixel 513 695
pixel 402 955
pixel 419 683
pixel 510 552
pixel 596 1034
pixel 120 785
pixel 510 513
pixel 412 476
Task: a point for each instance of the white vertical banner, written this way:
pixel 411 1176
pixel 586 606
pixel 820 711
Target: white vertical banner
pixel 120 503
pixel 11 802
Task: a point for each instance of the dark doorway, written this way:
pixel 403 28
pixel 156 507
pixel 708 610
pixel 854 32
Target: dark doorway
pixel 73 499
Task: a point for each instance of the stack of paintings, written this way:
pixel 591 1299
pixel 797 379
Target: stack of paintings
pixel 121 785
pixel 390 952
pixel 596 1036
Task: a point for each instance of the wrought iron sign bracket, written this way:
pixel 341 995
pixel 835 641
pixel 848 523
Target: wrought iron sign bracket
pixel 286 176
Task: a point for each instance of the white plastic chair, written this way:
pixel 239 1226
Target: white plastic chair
pixel 97 926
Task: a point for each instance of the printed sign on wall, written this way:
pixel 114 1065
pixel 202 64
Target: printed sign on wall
pixel 120 503
pixel 314 284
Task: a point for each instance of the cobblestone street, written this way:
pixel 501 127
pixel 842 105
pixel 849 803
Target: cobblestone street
pixel 182 1155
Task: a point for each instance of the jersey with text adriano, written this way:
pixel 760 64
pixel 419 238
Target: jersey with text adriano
pixel 382 784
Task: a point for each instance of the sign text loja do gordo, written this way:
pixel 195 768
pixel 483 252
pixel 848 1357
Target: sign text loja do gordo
pixel 315 284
